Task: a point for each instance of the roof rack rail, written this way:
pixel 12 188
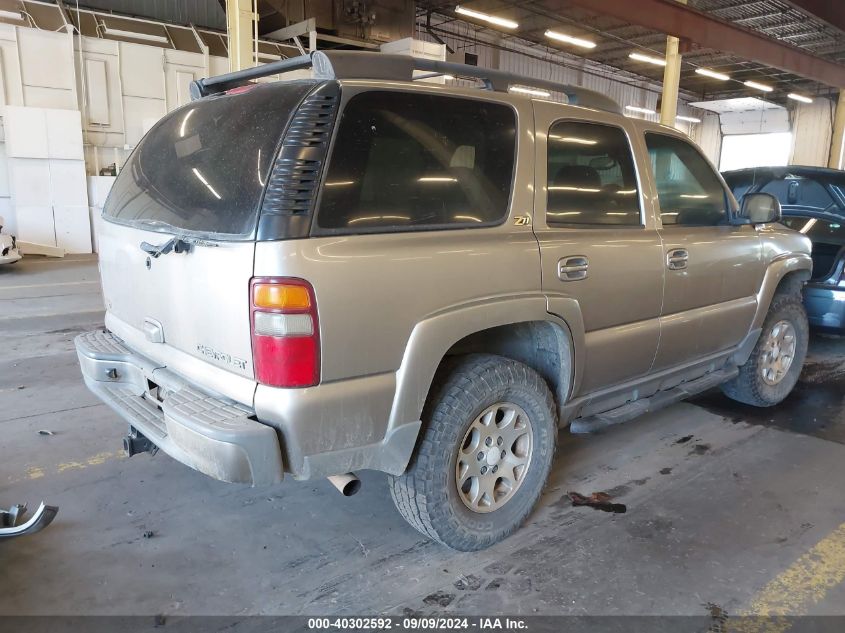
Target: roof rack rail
pixel 372 65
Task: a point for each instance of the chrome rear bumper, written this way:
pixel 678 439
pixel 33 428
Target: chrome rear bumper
pixel 209 433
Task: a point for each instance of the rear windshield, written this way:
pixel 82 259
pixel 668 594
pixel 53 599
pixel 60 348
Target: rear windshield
pixel 202 168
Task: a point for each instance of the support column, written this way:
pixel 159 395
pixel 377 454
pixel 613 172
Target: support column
pixel 671 80
pixel 837 161
pixel 239 26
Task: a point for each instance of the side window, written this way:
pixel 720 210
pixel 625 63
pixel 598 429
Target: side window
pixel 688 189
pixel 405 161
pixel 591 177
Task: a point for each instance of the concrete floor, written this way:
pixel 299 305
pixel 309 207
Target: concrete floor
pixel 728 507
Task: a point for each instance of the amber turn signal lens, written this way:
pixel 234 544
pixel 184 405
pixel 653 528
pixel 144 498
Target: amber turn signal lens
pixel 280 297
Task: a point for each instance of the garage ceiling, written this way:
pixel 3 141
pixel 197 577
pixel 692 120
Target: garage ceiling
pixel 615 39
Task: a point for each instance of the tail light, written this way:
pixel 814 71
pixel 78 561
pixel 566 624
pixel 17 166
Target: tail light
pixel 285 332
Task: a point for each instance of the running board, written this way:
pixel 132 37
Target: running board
pixel 659 400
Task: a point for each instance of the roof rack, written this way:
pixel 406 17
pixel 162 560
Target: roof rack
pixel 372 65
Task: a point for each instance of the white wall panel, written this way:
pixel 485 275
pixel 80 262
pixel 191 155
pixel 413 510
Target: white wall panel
pixel 97 91
pixel 142 71
pixel 64 134
pixel 26 132
pixel 67 183
pixel 73 228
pixel 46 59
pixel 5 191
pixel 29 181
pixel 35 224
pixel 139 112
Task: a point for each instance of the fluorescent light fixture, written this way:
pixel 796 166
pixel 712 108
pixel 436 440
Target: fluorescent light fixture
pixel 712 73
pixel 568 39
pixel 695 196
pixel 801 98
pixel 689 119
pixel 648 59
pixel 340 183
pixel 640 110
pixel 530 91
pixel 484 17
pixel 269 57
pixel 574 139
pixel 11 15
pixel 758 86
pixel 437 179
pixel 135 35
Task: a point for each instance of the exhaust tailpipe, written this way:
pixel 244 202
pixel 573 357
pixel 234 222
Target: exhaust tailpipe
pixel 348 484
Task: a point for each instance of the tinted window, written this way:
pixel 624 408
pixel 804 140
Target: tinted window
pixel 404 161
pixel 591 176
pixel 203 167
pixel 688 189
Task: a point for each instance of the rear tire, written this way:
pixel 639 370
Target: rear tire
pixel 482 405
pixel 761 381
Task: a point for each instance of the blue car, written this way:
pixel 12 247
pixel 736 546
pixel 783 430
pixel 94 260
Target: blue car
pixel 813 202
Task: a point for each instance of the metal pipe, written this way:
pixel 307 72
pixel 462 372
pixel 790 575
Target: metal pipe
pixel 348 484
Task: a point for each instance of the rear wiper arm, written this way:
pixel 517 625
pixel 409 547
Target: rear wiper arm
pixel 175 244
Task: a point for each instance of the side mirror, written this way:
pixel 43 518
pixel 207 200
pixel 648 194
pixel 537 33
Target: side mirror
pixel 760 208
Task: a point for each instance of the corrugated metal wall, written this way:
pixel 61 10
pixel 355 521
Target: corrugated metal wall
pixel 199 12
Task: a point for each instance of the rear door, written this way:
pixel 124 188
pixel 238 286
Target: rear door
pixel 713 269
pixel 197 177
pixel 597 244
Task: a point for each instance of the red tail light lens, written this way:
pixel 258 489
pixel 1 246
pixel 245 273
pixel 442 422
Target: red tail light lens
pixel 285 332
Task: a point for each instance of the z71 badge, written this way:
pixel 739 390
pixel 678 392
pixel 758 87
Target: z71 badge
pixel 221 357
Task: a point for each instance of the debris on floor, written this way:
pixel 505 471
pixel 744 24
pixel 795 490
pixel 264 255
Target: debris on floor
pixel 12 524
pixel 46 432
pixel 599 501
pixel 684 439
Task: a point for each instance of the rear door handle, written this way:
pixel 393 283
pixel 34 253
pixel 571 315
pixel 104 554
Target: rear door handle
pixel 572 268
pixel 677 259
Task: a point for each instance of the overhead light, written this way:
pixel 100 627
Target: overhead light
pixel 135 35
pixel 269 57
pixel 690 119
pixel 640 110
pixel 756 86
pixel 11 15
pixel 436 179
pixel 648 59
pixel 484 17
pixel 712 73
pixel 568 39
pixel 800 98
pixel 530 91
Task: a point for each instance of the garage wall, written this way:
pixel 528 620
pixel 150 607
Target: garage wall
pixel 812 128
pixel 122 88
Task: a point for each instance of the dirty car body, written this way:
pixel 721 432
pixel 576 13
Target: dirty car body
pixel 297 274
pixel 813 203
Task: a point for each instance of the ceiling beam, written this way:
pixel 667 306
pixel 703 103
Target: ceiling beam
pixel 673 18
pixel 830 12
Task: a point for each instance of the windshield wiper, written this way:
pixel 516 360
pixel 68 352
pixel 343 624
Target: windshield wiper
pixel 175 244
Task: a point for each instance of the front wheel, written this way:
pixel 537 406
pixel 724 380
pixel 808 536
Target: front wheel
pixel 485 454
pixel 772 370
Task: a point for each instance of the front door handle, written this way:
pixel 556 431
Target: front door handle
pixel 677 259
pixel 572 268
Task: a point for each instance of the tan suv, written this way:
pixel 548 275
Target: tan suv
pixel 363 271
